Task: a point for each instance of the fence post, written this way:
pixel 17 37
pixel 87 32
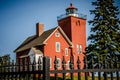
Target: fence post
pixel 39 67
pixel 56 67
pixel 64 67
pixel 71 65
pixel 117 73
pixel 78 66
pixel 46 68
pixel 99 67
pixel 111 67
pixel 105 67
pixel 86 67
pixel 34 68
pixel 93 77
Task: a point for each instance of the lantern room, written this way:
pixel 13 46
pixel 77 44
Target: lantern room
pixel 72 11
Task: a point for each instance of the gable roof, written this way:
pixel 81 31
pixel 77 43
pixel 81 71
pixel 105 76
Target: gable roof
pixel 36 41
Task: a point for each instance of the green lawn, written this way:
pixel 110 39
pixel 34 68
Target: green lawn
pixel 82 78
pixel 68 78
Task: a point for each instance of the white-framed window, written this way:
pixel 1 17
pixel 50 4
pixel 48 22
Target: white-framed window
pixel 57 34
pixel 66 51
pixel 79 48
pixel 59 62
pixel 57 46
pixel 50 62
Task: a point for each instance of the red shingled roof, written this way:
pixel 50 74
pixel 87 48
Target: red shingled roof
pixel 71 7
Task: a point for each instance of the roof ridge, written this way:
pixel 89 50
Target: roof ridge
pixel 25 41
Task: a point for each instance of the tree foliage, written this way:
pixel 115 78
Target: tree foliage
pixel 5 59
pixel 105 31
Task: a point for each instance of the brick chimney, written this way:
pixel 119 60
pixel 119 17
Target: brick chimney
pixel 39 29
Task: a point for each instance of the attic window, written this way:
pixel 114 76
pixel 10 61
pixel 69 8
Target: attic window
pixel 66 51
pixel 57 34
pixel 78 23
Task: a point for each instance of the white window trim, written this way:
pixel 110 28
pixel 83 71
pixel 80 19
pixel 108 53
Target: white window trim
pixel 57 34
pixel 57 48
pixel 80 48
pixel 50 62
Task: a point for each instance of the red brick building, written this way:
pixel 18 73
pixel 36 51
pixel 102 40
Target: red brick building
pixel 69 37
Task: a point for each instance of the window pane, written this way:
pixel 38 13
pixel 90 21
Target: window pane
pixel 66 51
pixel 57 46
pixel 77 47
pixel 80 48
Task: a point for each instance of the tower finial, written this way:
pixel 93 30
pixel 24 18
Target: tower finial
pixel 71 4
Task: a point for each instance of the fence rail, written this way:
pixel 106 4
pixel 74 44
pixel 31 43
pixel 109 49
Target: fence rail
pixel 41 71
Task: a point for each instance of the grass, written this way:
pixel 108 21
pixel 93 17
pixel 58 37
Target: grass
pixel 75 78
pixel 82 78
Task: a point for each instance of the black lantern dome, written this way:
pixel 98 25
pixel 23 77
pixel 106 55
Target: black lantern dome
pixel 72 11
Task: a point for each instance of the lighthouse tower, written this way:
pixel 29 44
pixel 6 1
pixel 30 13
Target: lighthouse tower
pixel 74 26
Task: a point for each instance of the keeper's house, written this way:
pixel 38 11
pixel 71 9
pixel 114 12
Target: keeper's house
pixel 68 38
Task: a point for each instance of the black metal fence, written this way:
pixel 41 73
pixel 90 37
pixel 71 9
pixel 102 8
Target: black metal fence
pixel 41 71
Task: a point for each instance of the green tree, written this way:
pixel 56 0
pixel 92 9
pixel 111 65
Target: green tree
pixel 4 60
pixel 105 31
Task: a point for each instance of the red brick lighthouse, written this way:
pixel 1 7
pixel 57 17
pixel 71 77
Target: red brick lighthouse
pixel 74 26
pixel 68 38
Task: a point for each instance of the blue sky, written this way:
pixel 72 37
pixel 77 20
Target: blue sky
pixel 19 17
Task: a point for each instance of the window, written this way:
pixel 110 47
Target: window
pixel 78 23
pixel 66 51
pixel 50 62
pixel 71 11
pixel 57 34
pixel 59 62
pixel 57 46
pixel 79 48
